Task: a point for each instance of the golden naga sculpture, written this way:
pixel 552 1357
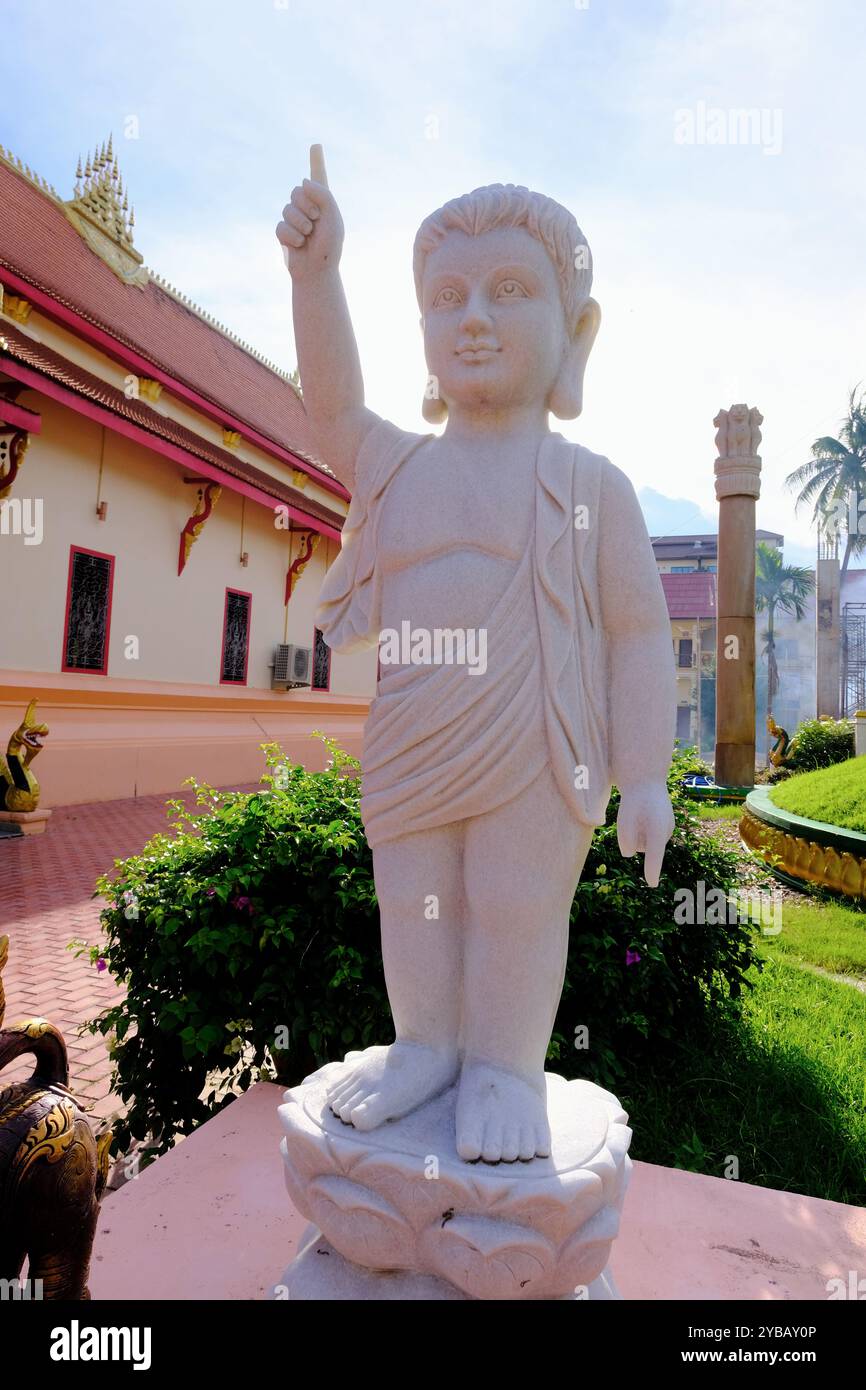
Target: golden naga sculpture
pixel 19 789
pixel 53 1169
pixel 780 753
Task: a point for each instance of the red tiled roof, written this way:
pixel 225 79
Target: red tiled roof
pixel 690 595
pixel 21 348
pixel 709 538
pixel 39 243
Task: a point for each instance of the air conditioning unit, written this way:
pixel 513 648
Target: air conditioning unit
pixel 292 667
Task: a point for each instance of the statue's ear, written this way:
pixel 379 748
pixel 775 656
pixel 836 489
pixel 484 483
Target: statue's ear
pixel 434 409
pixel 566 398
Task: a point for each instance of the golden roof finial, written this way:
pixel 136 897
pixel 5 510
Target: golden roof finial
pixel 102 196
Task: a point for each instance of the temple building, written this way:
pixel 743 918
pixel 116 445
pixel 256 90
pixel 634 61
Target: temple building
pixel 164 523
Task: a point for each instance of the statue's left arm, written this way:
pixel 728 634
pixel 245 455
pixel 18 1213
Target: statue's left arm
pixel 642 697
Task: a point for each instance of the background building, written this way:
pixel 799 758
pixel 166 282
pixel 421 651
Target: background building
pixel 688 565
pixel 164 523
pixel 691 600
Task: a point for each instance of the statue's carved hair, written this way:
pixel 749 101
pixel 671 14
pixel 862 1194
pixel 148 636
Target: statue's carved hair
pixel 511 205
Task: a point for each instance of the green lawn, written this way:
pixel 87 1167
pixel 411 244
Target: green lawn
pixel 829 935
pixel 836 794
pixel 784 1091
pixel 728 810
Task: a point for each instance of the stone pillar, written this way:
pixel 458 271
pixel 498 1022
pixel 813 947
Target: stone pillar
pixel 738 485
pixel 828 636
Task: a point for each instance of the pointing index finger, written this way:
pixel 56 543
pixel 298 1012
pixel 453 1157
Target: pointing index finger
pixel 653 859
pixel 318 172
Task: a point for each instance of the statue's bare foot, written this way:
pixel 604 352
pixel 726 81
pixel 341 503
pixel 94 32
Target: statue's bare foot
pixel 500 1117
pixel 387 1082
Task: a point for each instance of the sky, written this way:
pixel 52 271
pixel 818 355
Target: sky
pixel 728 254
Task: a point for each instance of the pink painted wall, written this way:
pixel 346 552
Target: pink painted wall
pixel 176 619
pixel 138 738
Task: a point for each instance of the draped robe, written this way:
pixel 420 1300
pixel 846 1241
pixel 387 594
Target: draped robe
pixel 441 745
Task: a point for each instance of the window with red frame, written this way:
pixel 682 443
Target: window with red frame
pixel 321 663
pixel 88 611
pixel 236 638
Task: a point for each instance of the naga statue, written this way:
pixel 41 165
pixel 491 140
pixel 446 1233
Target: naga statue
pixel 780 753
pixel 19 789
pixel 53 1169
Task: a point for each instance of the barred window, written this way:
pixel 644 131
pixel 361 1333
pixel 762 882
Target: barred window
pixel 321 663
pixel 88 611
pixel 236 638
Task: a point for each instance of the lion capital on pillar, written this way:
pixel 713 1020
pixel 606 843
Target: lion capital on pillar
pixel 738 438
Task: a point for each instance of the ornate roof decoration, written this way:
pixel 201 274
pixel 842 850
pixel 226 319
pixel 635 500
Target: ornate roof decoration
pixel 101 214
pixel 99 196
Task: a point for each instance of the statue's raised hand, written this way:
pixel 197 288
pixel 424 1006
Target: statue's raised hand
pixel 645 823
pixel 312 228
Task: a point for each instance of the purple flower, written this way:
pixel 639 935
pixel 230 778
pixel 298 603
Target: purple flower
pixel 210 892
pixel 100 964
pixel 240 903
pixel 631 957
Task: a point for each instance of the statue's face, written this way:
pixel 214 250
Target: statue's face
pixel 494 325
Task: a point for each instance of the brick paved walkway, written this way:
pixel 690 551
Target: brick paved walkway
pixel 46 882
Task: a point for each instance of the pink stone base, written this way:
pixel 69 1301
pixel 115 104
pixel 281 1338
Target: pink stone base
pixel 31 822
pixel 212 1220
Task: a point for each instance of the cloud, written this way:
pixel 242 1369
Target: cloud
pixel 674 516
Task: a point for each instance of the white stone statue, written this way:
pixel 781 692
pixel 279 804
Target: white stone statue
pixel 481 787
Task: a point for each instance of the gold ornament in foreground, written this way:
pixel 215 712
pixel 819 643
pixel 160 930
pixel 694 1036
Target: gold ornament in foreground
pixel 53 1169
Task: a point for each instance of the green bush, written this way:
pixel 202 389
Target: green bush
pixel 769 776
pixel 821 743
pixel 686 974
pixel 689 761
pixel 248 946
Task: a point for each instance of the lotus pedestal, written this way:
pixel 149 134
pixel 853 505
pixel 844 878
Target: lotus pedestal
pixel 398 1215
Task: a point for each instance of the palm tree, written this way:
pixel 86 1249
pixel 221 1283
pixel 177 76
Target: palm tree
pixel 778 587
pixel 835 473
